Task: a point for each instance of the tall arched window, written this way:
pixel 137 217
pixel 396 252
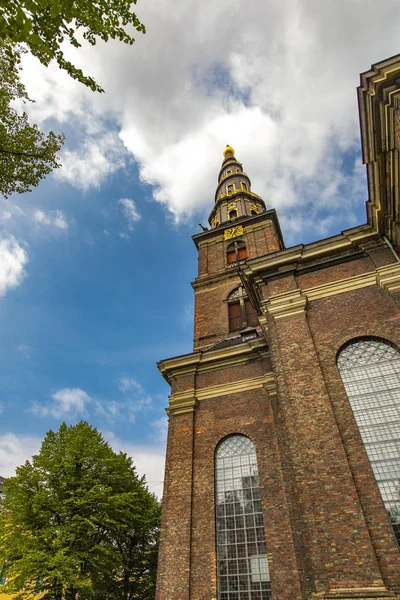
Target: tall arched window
pixel 241 313
pixel 370 370
pixel 242 564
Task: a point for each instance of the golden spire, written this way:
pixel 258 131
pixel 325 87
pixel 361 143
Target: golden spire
pixel 228 151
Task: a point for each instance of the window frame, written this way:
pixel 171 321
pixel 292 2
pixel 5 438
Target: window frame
pixel 241 559
pixel 372 400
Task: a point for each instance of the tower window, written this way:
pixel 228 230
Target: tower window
pixel 229 172
pixel 370 371
pixel 242 564
pixel 241 313
pixel 230 188
pixel 253 212
pixel 236 251
pixel 232 214
pixel 244 185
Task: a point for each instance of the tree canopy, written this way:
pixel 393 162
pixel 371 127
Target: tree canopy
pixel 78 523
pixel 26 154
pixel 43 27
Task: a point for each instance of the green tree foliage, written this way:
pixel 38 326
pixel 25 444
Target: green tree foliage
pixel 78 523
pixel 43 25
pixel 26 154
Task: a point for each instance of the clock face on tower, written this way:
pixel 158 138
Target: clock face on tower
pixel 233 232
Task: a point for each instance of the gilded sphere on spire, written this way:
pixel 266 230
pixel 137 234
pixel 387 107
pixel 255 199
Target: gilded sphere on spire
pixel 228 151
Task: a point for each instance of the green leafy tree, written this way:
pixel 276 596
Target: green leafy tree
pixel 42 27
pixel 26 154
pixel 78 523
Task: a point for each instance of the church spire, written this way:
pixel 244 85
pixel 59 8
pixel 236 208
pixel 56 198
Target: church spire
pixel 234 199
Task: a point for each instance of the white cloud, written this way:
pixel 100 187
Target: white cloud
pixel 160 429
pixel 53 218
pixel 13 258
pixel 135 397
pixel 67 403
pixel 24 350
pixel 93 162
pixel 15 450
pixel 130 212
pixel 111 410
pixel 282 93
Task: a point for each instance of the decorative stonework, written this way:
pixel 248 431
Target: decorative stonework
pixel 293 303
pixel 287 305
pixel 186 401
pixel 388 278
pixel 233 232
pixel 181 404
pixel 378 593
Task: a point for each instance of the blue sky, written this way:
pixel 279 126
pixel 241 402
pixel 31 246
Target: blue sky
pixel 96 263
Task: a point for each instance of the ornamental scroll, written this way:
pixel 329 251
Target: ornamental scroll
pixel 233 232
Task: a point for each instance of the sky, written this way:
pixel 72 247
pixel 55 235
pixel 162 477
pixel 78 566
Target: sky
pixel 96 262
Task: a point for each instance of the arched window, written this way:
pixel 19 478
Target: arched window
pixel 244 185
pixel 370 371
pixel 240 310
pixel 242 564
pixel 230 188
pixel 236 251
pixel 232 214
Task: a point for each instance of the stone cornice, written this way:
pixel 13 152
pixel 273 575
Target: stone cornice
pixel 184 402
pixel 287 305
pixel 293 303
pixel 379 98
pixel 269 214
pixel 202 361
pixel 305 252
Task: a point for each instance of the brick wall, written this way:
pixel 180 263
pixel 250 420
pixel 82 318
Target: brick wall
pixel 325 524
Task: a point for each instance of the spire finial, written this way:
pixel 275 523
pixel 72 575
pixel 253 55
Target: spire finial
pixel 228 151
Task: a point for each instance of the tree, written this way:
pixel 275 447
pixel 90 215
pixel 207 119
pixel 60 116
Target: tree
pixel 26 154
pixel 44 25
pixel 77 523
pixel 41 27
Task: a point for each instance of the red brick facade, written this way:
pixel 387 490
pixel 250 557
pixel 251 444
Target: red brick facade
pixel 326 528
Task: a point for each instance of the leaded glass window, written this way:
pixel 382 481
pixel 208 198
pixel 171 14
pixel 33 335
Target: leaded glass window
pixel 370 370
pixel 242 564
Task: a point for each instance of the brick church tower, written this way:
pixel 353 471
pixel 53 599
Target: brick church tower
pixel 283 458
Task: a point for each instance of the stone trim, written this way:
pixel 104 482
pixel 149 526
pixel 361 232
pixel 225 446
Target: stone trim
pixel 182 405
pixel 287 305
pixel 293 303
pixel 362 593
pixel 187 401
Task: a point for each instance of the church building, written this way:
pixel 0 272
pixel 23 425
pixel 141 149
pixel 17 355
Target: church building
pixel 283 456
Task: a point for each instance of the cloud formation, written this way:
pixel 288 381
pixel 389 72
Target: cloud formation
pixel 275 80
pixel 53 218
pixel 67 403
pixel 130 212
pixel 13 258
